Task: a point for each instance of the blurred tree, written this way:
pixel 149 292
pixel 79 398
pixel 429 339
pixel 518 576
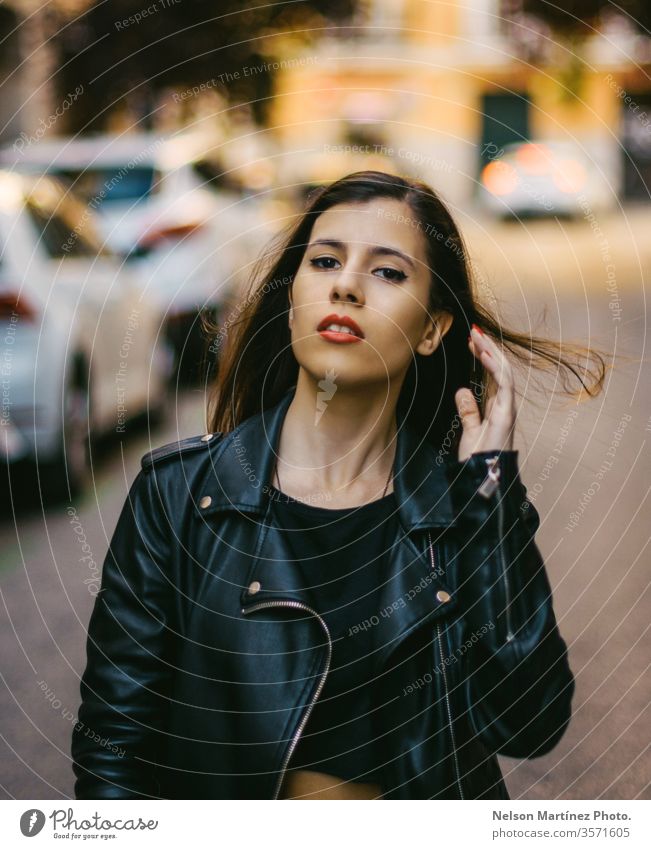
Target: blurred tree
pixel 556 33
pixel 129 50
pixel 583 16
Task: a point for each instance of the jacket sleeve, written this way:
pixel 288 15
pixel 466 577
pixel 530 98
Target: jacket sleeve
pixel 124 686
pixel 518 683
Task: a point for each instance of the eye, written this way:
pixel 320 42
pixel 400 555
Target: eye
pixel 393 274
pixel 323 261
pixel 386 272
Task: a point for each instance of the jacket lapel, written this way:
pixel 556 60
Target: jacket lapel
pixel 411 591
pixel 242 465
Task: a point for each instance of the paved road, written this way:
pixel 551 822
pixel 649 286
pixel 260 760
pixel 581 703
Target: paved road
pixel 594 538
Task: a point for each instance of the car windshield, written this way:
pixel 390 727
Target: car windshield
pixel 112 185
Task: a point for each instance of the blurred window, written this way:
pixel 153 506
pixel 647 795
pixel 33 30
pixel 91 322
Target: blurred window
pixel 57 235
pixel 112 185
pixel 505 120
pixel 214 177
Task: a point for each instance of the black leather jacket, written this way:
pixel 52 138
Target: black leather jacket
pixel 205 655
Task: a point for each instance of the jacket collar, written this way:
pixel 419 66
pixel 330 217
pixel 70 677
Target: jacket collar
pixel 242 465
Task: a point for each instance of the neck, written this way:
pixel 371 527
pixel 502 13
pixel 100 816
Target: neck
pixel 338 438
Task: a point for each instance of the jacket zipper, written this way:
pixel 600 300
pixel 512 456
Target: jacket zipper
pixel 306 715
pixel 445 685
pixel 490 485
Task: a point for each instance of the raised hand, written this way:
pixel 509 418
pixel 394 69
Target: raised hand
pixel 495 431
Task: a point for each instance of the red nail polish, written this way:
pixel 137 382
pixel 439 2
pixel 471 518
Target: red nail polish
pixel 478 329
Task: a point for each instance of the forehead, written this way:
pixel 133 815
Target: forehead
pixel 382 221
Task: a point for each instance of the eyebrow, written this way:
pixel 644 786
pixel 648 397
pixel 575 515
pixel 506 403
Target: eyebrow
pixel 376 250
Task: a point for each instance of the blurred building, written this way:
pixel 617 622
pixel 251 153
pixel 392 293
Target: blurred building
pixel 432 88
pixel 27 67
pixel 438 88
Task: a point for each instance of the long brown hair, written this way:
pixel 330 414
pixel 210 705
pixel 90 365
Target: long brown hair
pixel 257 366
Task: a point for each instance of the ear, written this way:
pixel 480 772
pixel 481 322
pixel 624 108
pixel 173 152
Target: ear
pixel 435 330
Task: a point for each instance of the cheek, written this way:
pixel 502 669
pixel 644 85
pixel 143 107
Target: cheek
pixel 403 321
pixel 306 291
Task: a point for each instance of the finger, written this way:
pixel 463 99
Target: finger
pixel 480 350
pixel 493 359
pixel 483 342
pixel 468 409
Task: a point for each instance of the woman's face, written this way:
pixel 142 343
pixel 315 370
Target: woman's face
pixel 365 262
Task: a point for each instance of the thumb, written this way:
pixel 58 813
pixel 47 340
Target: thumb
pixel 468 409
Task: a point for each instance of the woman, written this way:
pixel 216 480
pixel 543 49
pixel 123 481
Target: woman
pixel 335 593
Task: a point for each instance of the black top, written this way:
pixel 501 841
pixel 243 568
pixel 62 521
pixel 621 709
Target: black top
pixel 341 554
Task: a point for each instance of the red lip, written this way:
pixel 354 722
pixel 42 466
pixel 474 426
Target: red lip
pixel 344 320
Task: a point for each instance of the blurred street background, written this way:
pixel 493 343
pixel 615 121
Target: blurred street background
pixel 147 155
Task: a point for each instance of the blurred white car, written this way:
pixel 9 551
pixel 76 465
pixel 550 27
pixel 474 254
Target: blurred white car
pixel 538 178
pixel 80 347
pixel 155 204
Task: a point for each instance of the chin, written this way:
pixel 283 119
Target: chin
pixel 353 365
pixel 333 372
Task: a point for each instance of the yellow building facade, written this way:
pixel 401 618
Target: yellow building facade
pixel 435 88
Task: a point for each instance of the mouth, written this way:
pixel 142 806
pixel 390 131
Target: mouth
pixel 337 328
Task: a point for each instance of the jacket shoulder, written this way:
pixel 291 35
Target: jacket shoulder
pixel 182 446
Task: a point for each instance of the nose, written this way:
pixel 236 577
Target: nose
pixel 347 286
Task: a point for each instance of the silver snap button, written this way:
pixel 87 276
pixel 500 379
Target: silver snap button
pixel 442 596
pixel 206 501
pixel 254 587
pixel 207 437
